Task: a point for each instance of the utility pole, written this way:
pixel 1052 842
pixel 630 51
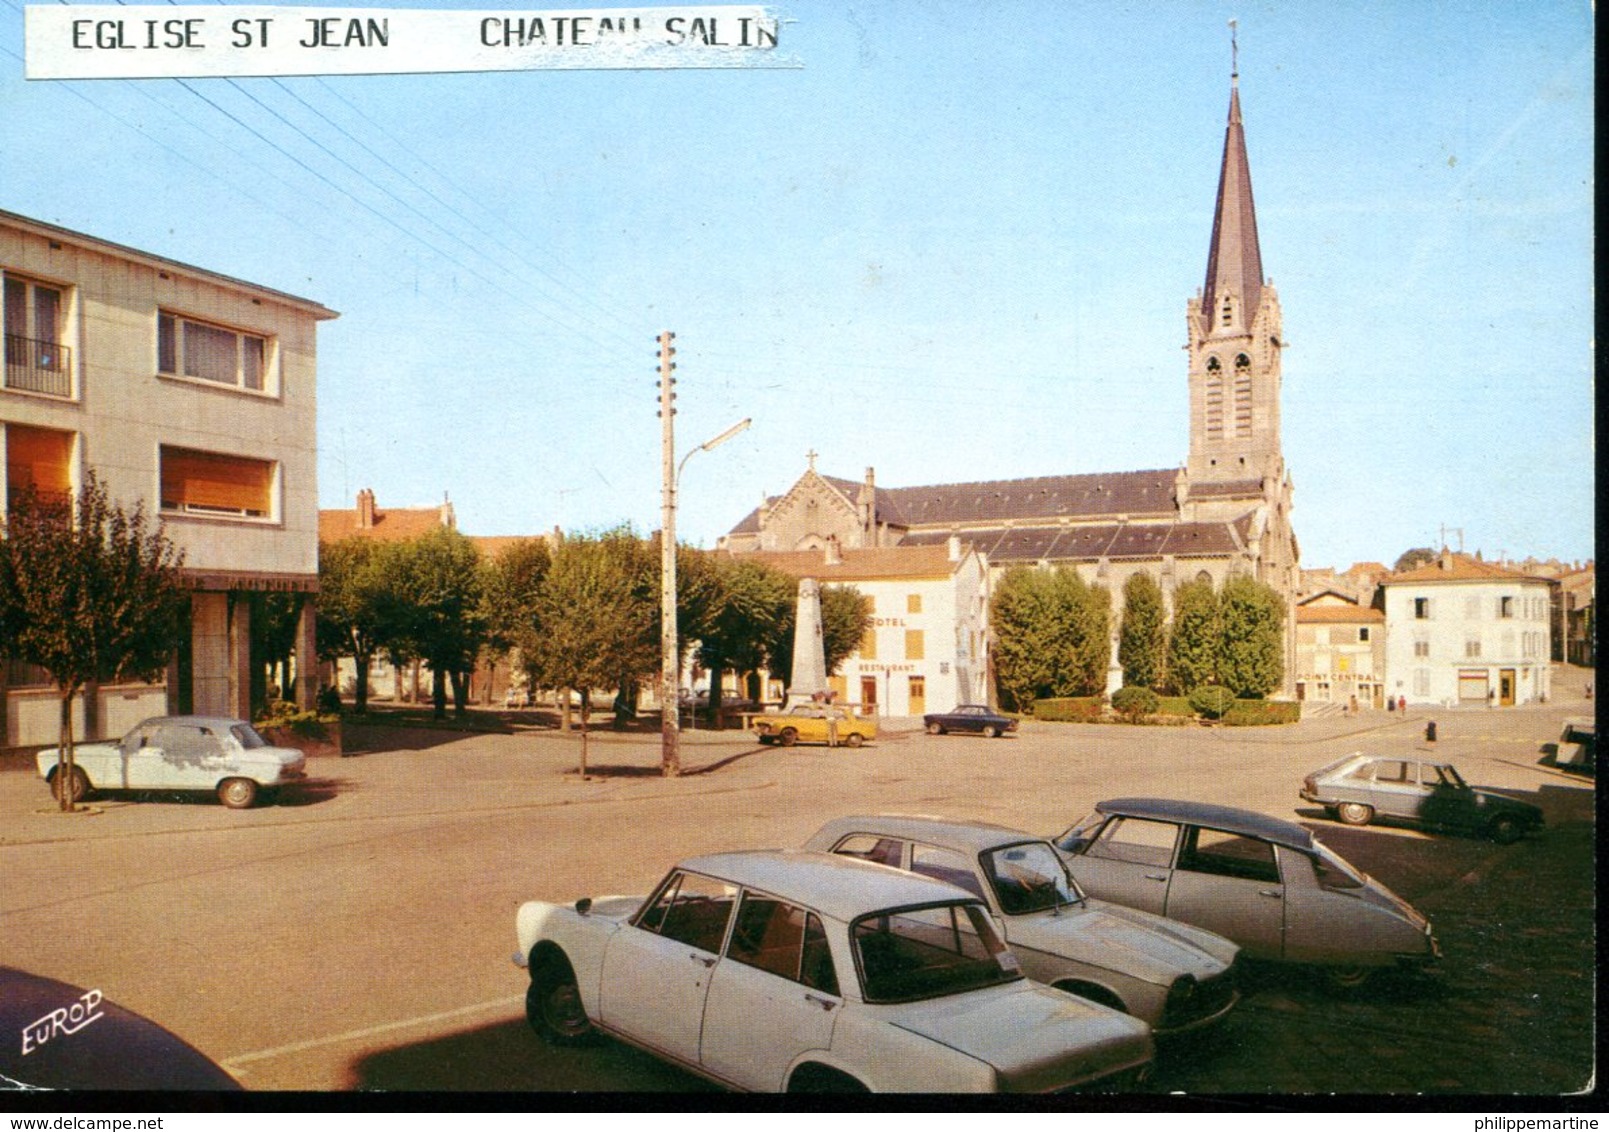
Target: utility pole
pixel 670 757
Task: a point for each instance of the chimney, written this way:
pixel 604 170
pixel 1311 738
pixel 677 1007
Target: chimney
pixel 831 554
pixel 955 548
pixel 365 510
pixel 1446 559
pixel 445 511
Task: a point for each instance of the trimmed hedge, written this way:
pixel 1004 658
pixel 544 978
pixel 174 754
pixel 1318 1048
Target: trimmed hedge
pixel 1175 705
pixel 1134 703
pixel 1071 709
pixel 1261 713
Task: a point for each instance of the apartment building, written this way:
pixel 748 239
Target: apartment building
pixel 190 392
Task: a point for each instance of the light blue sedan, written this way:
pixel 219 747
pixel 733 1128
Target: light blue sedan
pixel 179 752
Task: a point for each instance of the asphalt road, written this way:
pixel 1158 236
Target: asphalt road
pixel 357 934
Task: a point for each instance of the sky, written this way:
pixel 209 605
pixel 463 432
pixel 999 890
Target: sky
pixel 954 243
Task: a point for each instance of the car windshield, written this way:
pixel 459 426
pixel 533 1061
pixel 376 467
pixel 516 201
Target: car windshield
pixel 930 952
pixel 1448 776
pixel 1074 839
pixel 246 735
pixel 1029 877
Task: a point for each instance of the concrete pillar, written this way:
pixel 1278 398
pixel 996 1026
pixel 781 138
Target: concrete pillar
pixel 809 656
pixel 239 656
pixel 307 654
pixel 210 654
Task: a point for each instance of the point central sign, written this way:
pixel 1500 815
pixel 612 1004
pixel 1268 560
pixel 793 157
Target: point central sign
pixel 203 41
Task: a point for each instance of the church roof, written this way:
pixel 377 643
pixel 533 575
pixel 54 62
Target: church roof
pixel 1105 540
pixel 1041 497
pixel 1234 261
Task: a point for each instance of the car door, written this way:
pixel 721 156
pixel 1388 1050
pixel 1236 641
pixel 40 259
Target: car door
pixel 773 997
pixel 145 759
pixel 1230 884
pixel 1128 861
pixel 1394 788
pixel 657 969
pixel 1447 799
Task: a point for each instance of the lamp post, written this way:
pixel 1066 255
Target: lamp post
pixel 670 762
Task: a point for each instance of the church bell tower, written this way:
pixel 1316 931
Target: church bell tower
pixel 1235 336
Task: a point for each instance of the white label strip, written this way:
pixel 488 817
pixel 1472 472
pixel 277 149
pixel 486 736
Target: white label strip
pixel 201 41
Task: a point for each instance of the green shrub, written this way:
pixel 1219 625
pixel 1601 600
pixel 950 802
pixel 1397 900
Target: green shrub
pixel 1071 709
pixel 329 701
pixel 1175 705
pixel 1261 713
pixel 1134 703
pixel 1211 700
pixel 284 713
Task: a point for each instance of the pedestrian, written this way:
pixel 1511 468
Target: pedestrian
pixel 1391 704
pixel 1402 705
pixel 1491 697
pixel 1430 734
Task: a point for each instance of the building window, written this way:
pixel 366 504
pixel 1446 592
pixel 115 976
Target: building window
pixel 1421 609
pixel 913 603
pixel 207 483
pixel 1472 646
pixel 38 458
pixel 915 644
pixel 1363 634
pixel 868 645
pixel 1421 681
pixel 186 348
pixel 35 359
pixel 1421 648
pixel 1505 607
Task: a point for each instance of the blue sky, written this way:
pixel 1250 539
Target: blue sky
pixel 955 244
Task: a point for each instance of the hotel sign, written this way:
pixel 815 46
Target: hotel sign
pixel 201 41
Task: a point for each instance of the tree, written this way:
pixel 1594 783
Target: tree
pixel 1143 638
pixel 846 614
pixel 1418 556
pixel 511 586
pixel 274 619
pixel 1052 635
pixel 350 616
pixel 750 625
pixel 88 593
pixel 1194 642
pixel 1252 624
pixel 433 609
pixel 597 607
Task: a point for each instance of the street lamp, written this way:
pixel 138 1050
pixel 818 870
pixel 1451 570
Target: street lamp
pixel 670 660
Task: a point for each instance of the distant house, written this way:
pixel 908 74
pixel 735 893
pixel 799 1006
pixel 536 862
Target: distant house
pixel 187 391
pixel 1460 630
pixel 1340 651
pixel 927 649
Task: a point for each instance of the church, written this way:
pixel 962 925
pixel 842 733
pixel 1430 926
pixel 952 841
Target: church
pixel 1225 509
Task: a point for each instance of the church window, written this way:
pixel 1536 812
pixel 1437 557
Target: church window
pixel 1228 316
pixel 1242 395
pixel 1203 576
pixel 1215 399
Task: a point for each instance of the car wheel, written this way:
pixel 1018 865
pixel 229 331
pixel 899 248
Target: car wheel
pixel 1347 979
pixel 990 731
pixel 767 739
pixel 820 1079
pixel 79 781
pixel 935 729
pixel 854 739
pixel 1355 813
pixel 1504 829
pixel 788 737
pixel 237 793
pixel 553 1004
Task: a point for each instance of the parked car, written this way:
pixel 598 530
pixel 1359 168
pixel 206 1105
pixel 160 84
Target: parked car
pixel 815 723
pixel 1267 884
pixel 1174 976
pixel 179 752
pixel 1360 788
pixel 60 1036
pixel 804 972
pixel 1577 748
pixel 975 718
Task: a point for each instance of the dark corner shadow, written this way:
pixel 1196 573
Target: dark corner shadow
pixel 371 736
pixel 1308 985
pixel 508 1057
pixel 312 791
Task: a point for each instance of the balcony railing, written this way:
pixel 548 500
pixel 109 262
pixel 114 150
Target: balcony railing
pixel 38 367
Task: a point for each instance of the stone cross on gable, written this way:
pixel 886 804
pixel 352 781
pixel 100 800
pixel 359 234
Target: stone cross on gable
pixel 811 456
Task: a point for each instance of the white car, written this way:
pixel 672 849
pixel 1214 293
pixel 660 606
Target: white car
pixel 1176 977
pixel 775 971
pixel 179 752
pixel 1267 884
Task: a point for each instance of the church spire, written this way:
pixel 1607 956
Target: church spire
pixel 1234 263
